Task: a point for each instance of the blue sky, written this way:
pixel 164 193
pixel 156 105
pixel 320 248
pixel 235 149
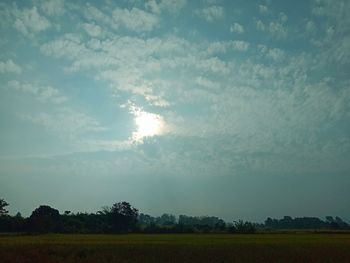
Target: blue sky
pixel 238 109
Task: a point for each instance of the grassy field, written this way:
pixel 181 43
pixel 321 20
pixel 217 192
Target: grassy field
pixel 176 248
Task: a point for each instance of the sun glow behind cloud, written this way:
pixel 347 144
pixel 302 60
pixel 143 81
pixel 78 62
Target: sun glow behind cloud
pixel 148 124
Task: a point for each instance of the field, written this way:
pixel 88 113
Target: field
pixel 176 248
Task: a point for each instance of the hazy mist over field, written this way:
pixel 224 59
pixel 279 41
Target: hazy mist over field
pixel 239 109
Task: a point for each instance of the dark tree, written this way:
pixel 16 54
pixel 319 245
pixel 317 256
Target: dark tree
pixel 242 227
pixel 122 217
pixel 3 204
pixel 44 219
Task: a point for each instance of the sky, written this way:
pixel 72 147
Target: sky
pixel 238 109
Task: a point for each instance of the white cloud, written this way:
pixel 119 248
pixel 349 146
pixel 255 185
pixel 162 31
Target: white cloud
pixel 218 47
pixel 10 67
pixel 172 5
pixel 53 7
pixel 207 83
pixel 276 54
pixel 135 19
pixel 263 9
pixel 153 6
pixel 213 65
pixel 275 28
pixel 330 31
pixel 260 25
pixel 88 145
pixel 29 21
pixel 65 121
pixel 45 94
pixel 210 13
pixel 310 26
pixel 283 17
pixel 67 45
pixel 240 45
pixel 225 46
pixel 92 29
pixel 237 28
pixel 333 43
pixel 94 14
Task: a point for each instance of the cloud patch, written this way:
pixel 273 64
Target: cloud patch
pixel 9 66
pixel 135 19
pixel 44 94
pixel 210 13
pixel 28 21
pixel 237 28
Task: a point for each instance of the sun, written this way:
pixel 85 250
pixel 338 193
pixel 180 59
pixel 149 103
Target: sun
pixel 148 125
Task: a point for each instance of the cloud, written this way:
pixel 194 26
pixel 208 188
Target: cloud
pixel 240 45
pixel 210 13
pixel 255 112
pixel 237 28
pixel 275 54
pixel 275 121
pixel 276 28
pixel 29 21
pixel 68 45
pixel 333 39
pixel 9 66
pixel 44 94
pixel 263 9
pixel 172 6
pixel 310 26
pixel 91 13
pixel 225 46
pixel 53 7
pixel 92 29
pixel 135 19
pixel 207 83
pixel 65 122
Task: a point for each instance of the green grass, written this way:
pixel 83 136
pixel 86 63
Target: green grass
pixel 176 248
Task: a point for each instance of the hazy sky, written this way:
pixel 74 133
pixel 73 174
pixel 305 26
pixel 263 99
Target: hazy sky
pixel 239 109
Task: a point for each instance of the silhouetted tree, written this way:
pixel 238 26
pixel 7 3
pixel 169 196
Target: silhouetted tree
pixel 44 219
pixel 122 217
pixel 3 204
pixel 166 220
pixel 241 227
pixel 288 222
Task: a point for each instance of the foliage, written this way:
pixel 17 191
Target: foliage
pixel 121 217
pixel 242 227
pixel 288 222
pixel 44 219
pixel 3 204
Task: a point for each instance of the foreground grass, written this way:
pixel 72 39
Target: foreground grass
pixel 176 248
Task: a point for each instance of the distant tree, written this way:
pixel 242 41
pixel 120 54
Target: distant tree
pixel 241 227
pixel 329 219
pixel 19 215
pixel 145 219
pixel 44 219
pixel 3 204
pixel 288 222
pixel 122 217
pixel 166 220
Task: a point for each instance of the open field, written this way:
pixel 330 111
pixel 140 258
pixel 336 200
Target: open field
pixel 176 248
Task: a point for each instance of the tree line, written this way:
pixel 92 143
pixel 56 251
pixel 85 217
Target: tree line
pixel 122 217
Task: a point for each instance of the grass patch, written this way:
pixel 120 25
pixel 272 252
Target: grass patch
pixel 176 248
